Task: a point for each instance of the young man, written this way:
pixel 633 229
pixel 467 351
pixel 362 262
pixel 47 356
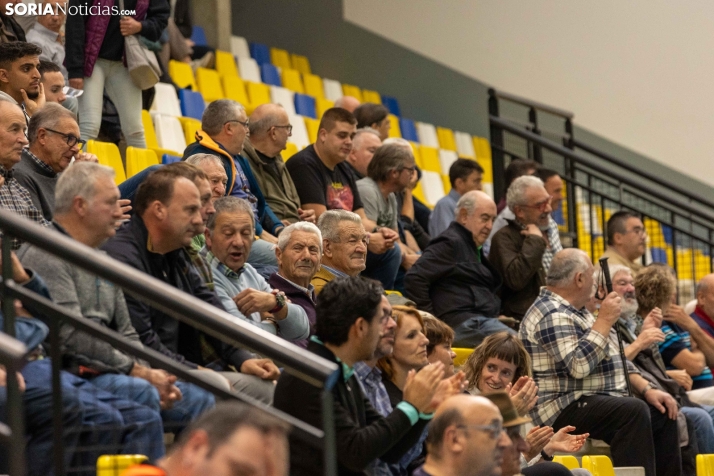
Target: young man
pixel 20 77
pixel 465 175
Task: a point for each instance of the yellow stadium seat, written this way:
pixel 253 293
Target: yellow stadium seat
pixel 418 193
pixel 226 63
pixel 150 136
pixel 280 58
pixel 354 91
pixel 705 465
pixel 417 154
pixel 430 159
pixel 258 93
pixel 115 465
pixel 182 74
pixel 234 88
pixel 570 462
pixel 138 160
pixel 447 183
pixel 483 156
pixel 313 85
pixel 290 150
pixel 312 126
pixel 371 96
pixel 462 356
pixel 598 465
pixel 108 154
pixel 209 84
pixel 190 126
pixel 300 63
pixel 446 138
pixel 394 129
pixel 322 105
pixel 292 81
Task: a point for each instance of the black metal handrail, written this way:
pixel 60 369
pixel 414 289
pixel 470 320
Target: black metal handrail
pixel 12 356
pixel 531 104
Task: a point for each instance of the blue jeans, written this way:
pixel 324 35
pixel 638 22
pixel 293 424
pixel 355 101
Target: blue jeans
pixel 384 267
pixel 470 333
pixel 701 418
pixel 128 187
pixel 194 399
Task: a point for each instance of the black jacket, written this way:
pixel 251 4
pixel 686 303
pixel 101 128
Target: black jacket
pixel 451 282
pixel 157 329
pixel 362 434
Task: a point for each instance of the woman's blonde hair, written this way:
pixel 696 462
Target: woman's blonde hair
pixel 503 346
pixel 398 314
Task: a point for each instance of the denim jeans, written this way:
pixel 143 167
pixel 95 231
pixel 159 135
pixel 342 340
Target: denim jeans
pixel 469 334
pixel 384 267
pixel 703 427
pixel 128 187
pixel 114 77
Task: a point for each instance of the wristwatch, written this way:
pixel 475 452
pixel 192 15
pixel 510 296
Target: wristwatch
pixel 545 456
pixel 280 301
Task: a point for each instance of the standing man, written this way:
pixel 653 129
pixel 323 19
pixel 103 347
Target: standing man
pixel 465 175
pixel 626 240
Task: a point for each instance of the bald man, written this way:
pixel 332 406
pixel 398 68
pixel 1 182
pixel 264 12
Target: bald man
pixel 466 438
pixel 270 129
pixel 704 312
pixel 453 279
pixel 348 102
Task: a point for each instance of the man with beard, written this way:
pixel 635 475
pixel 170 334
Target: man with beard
pixel 20 76
pixel 517 249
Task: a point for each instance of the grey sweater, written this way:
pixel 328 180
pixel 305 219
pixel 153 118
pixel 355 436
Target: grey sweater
pixel 85 294
pixel 39 182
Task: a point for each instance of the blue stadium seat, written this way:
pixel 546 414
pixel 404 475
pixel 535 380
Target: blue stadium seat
pixel 270 75
pixel 198 36
pixel 408 129
pixel 305 105
pixel 558 216
pixel 169 159
pixel 392 104
pixel 260 53
pixel 192 104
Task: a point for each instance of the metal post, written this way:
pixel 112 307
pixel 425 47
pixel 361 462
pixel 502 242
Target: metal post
pixel 328 427
pixel 537 151
pixel 497 147
pixel 57 433
pixel 8 307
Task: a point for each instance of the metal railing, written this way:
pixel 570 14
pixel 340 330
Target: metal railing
pixel 12 434
pixel 179 305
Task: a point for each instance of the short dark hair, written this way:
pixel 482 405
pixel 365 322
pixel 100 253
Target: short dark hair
pixel 14 50
pixel 616 224
pixel 438 332
pixel 341 302
pixel 545 174
pixel 225 419
pixel 518 168
pixel 462 168
pixel 387 158
pixel 48 67
pixel 437 427
pixel 370 113
pixel 159 185
pixel 334 115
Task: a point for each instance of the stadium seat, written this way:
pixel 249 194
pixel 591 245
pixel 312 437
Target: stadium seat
pixel 291 80
pixel 446 138
pixel 446 182
pixel 280 58
pixel 192 103
pixel 483 156
pixel 115 465
pixel 300 63
pixel 270 74
pixel 408 130
pixel 166 100
pixel 284 97
pixel 169 133
pixel 138 160
pixel 239 47
pixel 705 465
pixel 290 150
pixel 354 91
pixel 234 88
pixel 312 126
pixel 394 129
pixel 258 93
pixel 433 186
pixel 249 70
pixel 427 134
pixel 198 36
pixel 392 104
pixel 226 63
pixel 462 355
pixel 598 465
pixel 418 193
pixel 313 86
pixel 170 159
pixel 371 96
pixel 323 105
pixel 150 135
pixel 464 145
pixel 182 74
pixel 299 136
pixel 570 462
pixel 333 89
pixel 108 154
pixel 209 84
pixel 430 159
pixel 417 154
pixel 189 126
pixel 260 53
pixel 305 105
pixel 446 158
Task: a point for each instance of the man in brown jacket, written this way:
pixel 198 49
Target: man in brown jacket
pixel 517 249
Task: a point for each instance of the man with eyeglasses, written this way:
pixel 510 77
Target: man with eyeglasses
pixel 522 250
pixel 270 129
pixel 466 438
pixel 626 240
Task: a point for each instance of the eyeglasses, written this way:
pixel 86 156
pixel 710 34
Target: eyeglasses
pixel 637 231
pixel 71 139
pixel 245 124
pixel 410 169
pixel 494 429
pixel 289 128
pixel 540 206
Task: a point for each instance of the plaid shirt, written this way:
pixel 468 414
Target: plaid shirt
pixel 16 198
pixel 570 360
pixel 554 241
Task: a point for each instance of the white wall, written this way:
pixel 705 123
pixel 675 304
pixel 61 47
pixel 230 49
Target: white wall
pixel 640 72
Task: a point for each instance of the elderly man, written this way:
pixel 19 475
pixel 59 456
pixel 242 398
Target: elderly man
pixel 352 315
pixel 349 103
pixel 168 216
pixel 299 253
pixel 464 175
pixel 212 166
pixel 453 279
pixel 344 247
pixel 626 240
pixel 87 209
pixel 466 438
pixel 364 144
pixel 269 131
pixel 522 250
pixel 580 376
pixel 704 311
pixel 242 291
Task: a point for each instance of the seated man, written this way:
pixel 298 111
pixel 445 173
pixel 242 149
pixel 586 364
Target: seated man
pixel 324 182
pixel 626 240
pixel 167 218
pixel 466 437
pixel 46 34
pixel 299 254
pixel 374 116
pixel 349 103
pixel 269 131
pixel 518 250
pixel 19 76
pixel 241 290
pixel 364 144
pixel 464 175
pixel 580 375
pixel 453 279
pixel 704 311
pixel 344 247
pixel 352 314
pixel 53 84
pixel 87 209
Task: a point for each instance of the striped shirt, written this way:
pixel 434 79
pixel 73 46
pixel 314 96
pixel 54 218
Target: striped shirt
pixel 676 340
